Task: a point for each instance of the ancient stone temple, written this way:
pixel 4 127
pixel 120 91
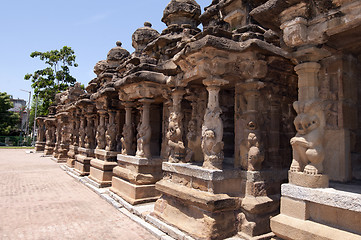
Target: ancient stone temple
pixel 248 127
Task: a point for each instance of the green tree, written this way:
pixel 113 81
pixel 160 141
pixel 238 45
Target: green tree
pixel 53 79
pixel 8 120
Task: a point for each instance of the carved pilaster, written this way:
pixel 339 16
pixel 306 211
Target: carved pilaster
pixel 90 126
pixel 144 131
pixel 167 109
pixel 118 131
pixel 128 133
pixel 254 146
pixel 175 128
pixel 41 129
pixel 76 127
pixel 100 135
pixel 308 144
pixel 212 128
pixel 111 132
pixel 82 128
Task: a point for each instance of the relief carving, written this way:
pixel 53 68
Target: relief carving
pixel 144 133
pixel 111 133
pixel 307 145
pixel 212 134
pixel 174 136
pixel 100 135
pixel 255 154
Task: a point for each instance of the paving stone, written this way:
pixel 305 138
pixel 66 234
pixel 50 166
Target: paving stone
pixel 39 201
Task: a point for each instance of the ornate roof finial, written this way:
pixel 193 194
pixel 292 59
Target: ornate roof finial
pixel 142 36
pixel 182 12
pixel 147 24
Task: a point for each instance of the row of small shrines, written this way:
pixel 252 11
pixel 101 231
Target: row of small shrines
pixel 136 149
pixel 203 122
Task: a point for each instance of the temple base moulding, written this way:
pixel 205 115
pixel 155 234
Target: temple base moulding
pixel 40 146
pixel 134 178
pixel 319 213
pixel 82 161
pixel 101 167
pixel 201 202
pixel 307 180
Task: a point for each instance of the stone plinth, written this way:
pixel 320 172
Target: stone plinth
pixel 319 213
pixel 199 201
pixel 261 201
pixel 49 149
pixel 307 180
pixel 82 160
pixel 62 153
pixel 39 146
pixel 73 151
pixel 101 167
pixel 105 155
pixel 134 178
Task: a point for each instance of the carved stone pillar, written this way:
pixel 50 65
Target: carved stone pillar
pixel 76 127
pixel 175 128
pixel 74 136
pixel 82 128
pixel 308 144
pixel 89 137
pixel 212 128
pixel 274 136
pixel 118 123
pixel 100 135
pixel 144 131
pixel 192 138
pixel 40 143
pixel 128 134
pixel 167 108
pixel 58 126
pixel 71 126
pixel 50 136
pixel 64 134
pixel 111 132
pixel 255 155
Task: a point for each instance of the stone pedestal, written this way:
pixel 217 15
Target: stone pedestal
pixel 73 151
pixel 82 161
pixel 39 146
pixel 49 149
pixel 261 201
pixel 135 177
pixel 319 213
pixel 62 155
pixel 199 201
pixel 101 167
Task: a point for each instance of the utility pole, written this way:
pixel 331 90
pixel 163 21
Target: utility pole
pixel 36 111
pixel 28 113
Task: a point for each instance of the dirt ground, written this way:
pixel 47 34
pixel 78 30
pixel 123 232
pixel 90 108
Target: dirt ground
pixel 38 200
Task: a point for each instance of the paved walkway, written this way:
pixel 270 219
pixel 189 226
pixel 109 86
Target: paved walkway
pixel 38 200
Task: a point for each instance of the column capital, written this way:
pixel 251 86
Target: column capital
pixel 215 82
pixel 250 85
pixel 128 104
pixel 146 101
pixel 309 54
pixel 307 67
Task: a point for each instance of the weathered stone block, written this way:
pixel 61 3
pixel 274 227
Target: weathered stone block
pixel 104 178
pixel 198 222
pixel 295 208
pixel 133 193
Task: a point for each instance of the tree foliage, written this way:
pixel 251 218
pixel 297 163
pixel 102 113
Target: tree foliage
pixel 54 78
pixel 8 120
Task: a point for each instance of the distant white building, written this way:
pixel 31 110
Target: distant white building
pixel 20 107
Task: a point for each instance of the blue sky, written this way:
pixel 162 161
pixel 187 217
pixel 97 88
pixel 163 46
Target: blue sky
pixel 89 27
